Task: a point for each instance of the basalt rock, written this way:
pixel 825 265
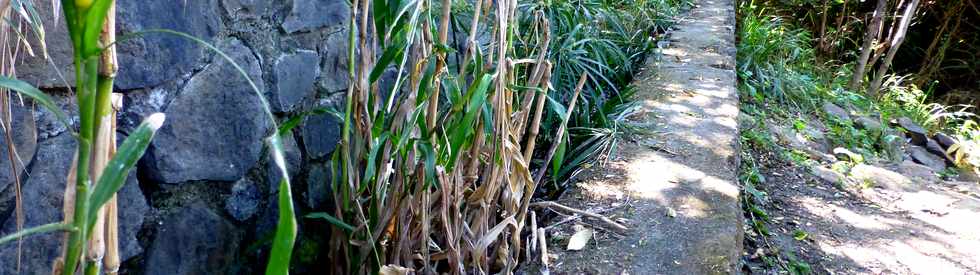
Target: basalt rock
pixel 215 127
pixel 194 240
pixel 916 133
pixel 43 194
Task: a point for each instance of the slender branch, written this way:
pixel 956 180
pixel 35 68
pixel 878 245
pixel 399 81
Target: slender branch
pixel 557 206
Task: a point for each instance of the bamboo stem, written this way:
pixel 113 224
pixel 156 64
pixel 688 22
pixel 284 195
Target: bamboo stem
pixel 440 64
pixel 561 130
pixel 538 112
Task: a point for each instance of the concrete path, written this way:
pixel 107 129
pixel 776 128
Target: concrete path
pixel 678 181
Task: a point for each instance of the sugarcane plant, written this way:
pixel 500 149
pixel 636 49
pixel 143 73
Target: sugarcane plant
pixel 433 172
pixel 99 170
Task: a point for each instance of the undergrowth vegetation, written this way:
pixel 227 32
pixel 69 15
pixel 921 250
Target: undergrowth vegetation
pixel 779 68
pixel 437 172
pixel 786 76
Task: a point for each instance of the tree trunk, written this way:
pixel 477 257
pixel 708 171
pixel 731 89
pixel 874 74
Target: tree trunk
pixel 934 57
pixel 869 38
pixel 822 45
pixel 893 26
pixel 896 42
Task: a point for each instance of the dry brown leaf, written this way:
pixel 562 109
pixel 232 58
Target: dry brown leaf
pixel 580 239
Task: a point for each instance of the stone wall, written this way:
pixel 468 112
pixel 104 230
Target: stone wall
pixel 201 200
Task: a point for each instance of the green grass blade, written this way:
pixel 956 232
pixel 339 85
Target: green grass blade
pixel 56 226
pixel 282 244
pixel 332 220
pixel 37 95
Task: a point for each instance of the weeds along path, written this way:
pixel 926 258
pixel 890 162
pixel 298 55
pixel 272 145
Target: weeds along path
pixel 674 180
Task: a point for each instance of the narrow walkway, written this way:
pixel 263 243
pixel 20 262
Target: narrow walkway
pixel 674 183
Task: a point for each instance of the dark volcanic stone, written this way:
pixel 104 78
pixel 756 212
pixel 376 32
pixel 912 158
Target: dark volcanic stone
pixel 945 140
pixel 294 77
pixel 24 136
pixel 245 7
pixel 333 76
pixel 308 15
pixel 913 130
pixel 321 133
pixel 194 240
pixel 43 202
pixel 933 147
pixel 244 200
pixel 146 61
pixel 215 127
pixel 318 186
pixel 836 112
pixel 867 123
pixel 924 157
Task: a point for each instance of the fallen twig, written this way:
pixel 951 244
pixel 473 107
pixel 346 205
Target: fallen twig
pixel 555 205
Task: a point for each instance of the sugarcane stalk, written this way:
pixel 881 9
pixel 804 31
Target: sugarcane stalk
pixel 539 110
pixel 440 64
pixel 561 130
pixel 104 137
pixel 112 261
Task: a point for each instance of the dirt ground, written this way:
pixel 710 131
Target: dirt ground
pixel 927 229
pixel 672 181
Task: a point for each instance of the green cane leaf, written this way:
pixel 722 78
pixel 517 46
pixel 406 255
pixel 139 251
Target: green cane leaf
pixel 36 95
pixel 332 220
pixel 57 226
pixel 282 244
pixel 115 173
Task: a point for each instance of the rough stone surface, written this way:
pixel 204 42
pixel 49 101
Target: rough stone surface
pixel 44 192
pixel 836 112
pixel 894 145
pixel 321 133
pixel 917 171
pixel 160 57
pixel 194 240
pixel 827 174
pixel 945 140
pixel 333 76
pixel 318 186
pixel 24 136
pixel 868 123
pixel 924 157
pixel 917 134
pixel 970 175
pixel 306 15
pixel 246 8
pixel 933 147
pixel 294 77
pixel 214 128
pixel 244 200
pixel 880 177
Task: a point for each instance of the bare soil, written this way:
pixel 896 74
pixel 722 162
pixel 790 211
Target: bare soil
pixel 931 228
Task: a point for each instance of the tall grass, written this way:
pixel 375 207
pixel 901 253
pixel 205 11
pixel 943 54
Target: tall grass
pixel 775 60
pixel 435 174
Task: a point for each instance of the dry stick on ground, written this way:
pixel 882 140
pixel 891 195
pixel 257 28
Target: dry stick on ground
pixel 543 243
pixel 554 205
